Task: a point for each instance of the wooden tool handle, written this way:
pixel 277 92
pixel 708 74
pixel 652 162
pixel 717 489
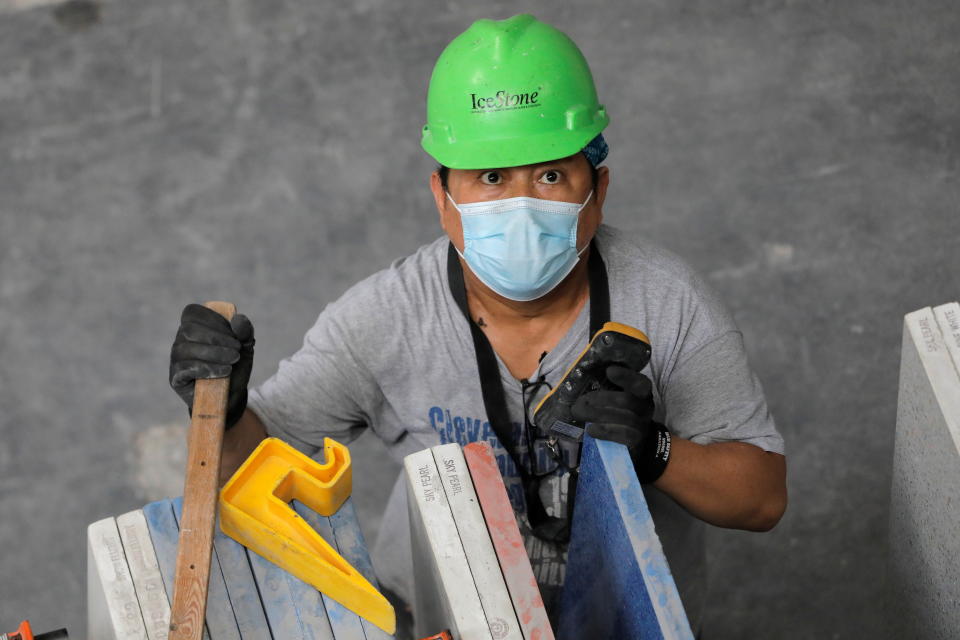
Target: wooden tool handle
pixel 204 446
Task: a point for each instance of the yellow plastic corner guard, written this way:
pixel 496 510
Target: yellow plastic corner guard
pixel 255 511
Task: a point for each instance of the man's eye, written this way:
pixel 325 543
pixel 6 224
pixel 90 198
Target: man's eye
pixel 490 177
pixel 550 177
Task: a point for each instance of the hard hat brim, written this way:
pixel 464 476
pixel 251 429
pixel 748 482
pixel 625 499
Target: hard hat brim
pixel 511 151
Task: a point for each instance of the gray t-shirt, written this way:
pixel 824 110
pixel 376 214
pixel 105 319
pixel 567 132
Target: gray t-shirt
pixel 395 354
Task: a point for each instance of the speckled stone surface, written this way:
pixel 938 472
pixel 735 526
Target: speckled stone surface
pixel 924 598
pixel 618 582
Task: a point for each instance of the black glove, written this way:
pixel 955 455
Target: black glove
pixel 208 346
pixel 626 416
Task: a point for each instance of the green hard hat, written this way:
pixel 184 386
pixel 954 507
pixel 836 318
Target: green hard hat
pixel 510 92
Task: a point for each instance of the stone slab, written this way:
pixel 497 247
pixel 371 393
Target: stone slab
pixel 923 600
pixel 501 523
pixel 353 548
pixel 344 623
pixel 445 597
pixel 618 583
pixel 472 528
pixel 220 622
pixel 241 587
pixel 145 571
pixel 113 612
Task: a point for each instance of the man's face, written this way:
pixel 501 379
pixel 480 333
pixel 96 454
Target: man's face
pixel 567 180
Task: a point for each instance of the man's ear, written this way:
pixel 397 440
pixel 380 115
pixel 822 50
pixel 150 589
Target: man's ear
pixel 603 181
pixel 439 196
pixel 449 215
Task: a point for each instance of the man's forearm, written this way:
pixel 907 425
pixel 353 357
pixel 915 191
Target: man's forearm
pixel 728 484
pixel 239 441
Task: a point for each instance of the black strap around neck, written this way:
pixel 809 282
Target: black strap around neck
pixel 491 387
pixel 599 291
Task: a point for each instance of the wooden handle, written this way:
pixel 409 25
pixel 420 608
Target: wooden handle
pixel 204 446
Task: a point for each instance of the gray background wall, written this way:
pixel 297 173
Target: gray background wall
pixel 803 155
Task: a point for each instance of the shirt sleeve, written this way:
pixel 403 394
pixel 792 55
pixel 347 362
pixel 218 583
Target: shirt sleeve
pixel 322 390
pixel 712 395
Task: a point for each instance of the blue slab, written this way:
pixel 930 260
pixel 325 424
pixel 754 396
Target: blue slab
pixel 241 587
pixel 310 609
pixel 345 624
pixel 622 588
pixel 353 548
pixel 220 621
pixel 165 535
pixel 277 599
pixel 266 601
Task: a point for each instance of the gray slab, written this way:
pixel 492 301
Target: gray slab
pixel 446 594
pixel 113 611
pixel 948 319
pixel 924 598
pixel 145 571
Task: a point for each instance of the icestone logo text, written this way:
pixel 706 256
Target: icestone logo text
pixel 504 100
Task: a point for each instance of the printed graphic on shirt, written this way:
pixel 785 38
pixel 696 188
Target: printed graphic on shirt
pixel 464 430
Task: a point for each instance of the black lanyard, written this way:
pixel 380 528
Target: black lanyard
pixel 494 401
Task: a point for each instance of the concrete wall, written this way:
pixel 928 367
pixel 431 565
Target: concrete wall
pixel 803 155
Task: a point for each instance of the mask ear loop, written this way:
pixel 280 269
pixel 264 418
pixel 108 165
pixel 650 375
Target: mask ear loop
pixel 589 195
pixel 580 252
pixel 456 206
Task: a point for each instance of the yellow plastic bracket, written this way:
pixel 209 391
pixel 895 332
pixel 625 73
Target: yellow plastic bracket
pixel 255 511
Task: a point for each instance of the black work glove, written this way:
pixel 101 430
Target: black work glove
pixel 208 346
pixel 626 416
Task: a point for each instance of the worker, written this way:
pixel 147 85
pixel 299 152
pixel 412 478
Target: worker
pixel 514 123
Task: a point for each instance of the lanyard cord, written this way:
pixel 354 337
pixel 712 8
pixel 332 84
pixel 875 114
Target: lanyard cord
pixel 491 387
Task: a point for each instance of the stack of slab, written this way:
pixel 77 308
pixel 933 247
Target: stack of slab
pixel 924 580
pixel 472 573
pixel 461 579
pixel 471 570
pixel 131 561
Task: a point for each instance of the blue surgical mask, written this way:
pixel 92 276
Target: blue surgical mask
pixel 520 247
